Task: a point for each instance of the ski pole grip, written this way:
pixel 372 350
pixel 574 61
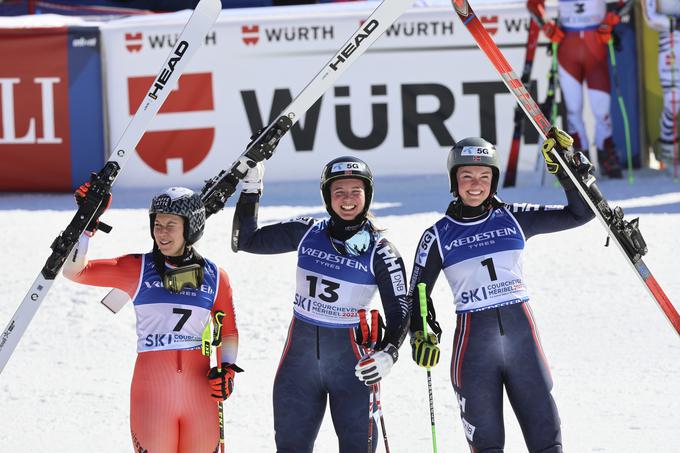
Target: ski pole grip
pixel 422 299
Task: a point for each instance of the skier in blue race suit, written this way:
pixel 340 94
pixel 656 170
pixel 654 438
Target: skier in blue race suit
pixel 341 263
pixel 479 245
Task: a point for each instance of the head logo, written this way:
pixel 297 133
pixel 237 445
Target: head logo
pixel 250 34
pixel 490 23
pixel 133 42
pixel 354 43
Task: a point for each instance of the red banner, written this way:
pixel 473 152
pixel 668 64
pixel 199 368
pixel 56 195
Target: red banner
pixel 34 110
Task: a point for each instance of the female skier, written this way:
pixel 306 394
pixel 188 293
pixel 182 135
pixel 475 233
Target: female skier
pixel 478 244
pixel 664 16
pixel 175 292
pixel 341 262
pixel 584 28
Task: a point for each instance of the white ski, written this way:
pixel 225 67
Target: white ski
pixel 189 41
pixel 218 189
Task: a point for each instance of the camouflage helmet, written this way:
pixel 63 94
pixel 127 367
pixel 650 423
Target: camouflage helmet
pixel 182 202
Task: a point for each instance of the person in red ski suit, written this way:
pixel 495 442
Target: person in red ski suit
pixel 583 30
pixel 175 293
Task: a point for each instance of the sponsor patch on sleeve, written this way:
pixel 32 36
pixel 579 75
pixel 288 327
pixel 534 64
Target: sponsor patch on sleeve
pixel 424 249
pixel 398 283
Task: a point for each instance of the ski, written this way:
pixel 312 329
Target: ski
pixel 218 189
pixel 188 42
pixel 625 234
pixel 532 40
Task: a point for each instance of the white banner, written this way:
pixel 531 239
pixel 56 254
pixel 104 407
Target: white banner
pixel 423 84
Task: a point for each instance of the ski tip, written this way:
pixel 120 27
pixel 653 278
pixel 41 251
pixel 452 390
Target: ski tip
pixel 209 7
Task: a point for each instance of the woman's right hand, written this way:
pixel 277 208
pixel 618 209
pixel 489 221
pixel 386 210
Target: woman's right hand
pixel 81 195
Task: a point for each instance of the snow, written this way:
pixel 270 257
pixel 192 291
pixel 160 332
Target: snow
pixel 615 359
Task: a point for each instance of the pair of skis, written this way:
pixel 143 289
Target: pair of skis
pixel 625 234
pixel 218 189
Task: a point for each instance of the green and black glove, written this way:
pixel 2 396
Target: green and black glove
pixel 424 351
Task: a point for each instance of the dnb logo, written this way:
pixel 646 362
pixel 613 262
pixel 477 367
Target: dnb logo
pixel 190 146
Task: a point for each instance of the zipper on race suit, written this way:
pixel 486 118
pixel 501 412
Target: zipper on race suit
pixel 179 360
pixel 318 345
pixel 500 321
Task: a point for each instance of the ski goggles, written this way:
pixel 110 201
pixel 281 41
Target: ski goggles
pixel 175 280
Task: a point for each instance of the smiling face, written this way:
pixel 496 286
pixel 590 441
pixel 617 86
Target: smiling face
pixel 168 232
pixel 347 197
pixel 474 184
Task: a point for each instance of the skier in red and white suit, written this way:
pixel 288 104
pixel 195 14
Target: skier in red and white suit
pixel 584 27
pixel 658 14
pixel 173 394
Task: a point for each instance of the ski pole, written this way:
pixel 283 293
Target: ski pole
pixel 552 95
pixel 622 107
pixel 365 338
pixel 674 111
pixel 511 170
pixel 422 297
pixel 217 342
pixel 369 337
pixel 375 334
pixel 549 106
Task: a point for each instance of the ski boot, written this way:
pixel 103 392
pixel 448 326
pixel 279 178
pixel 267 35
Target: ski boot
pixel 664 151
pixel 608 160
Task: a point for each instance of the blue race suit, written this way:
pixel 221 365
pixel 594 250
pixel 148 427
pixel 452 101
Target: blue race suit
pixel 496 343
pixel 318 359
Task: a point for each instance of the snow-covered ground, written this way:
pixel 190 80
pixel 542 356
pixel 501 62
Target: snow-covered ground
pixel 615 359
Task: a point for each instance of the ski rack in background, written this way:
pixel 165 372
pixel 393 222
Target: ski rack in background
pixel 188 42
pixel 626 235
pixel 218 189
